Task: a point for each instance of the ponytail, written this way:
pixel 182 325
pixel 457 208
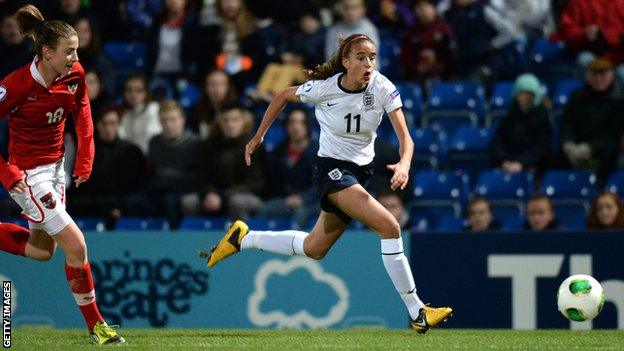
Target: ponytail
pixel 42 32
pixel 334 64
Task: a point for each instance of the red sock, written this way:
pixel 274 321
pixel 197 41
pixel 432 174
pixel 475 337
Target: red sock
pixel 81 284
pixel 13 238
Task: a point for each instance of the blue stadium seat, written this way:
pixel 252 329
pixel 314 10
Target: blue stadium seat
pixel 499 102
pixel 136 223
pixel 274 136
pixel 429 148
pixel 127 56
pixel 563 90
pixel 464 101
pixel 512 222
pixel 439 193
pixel 389 64
pixel 468 150
pixel 448 224
pixel 544 52
pixel 573 216
pixel 189 96
pixel 506 192
pixel 573 186
pixel 615 183
pixel 411 96
pixel 205 223
pixel 259 223
pixel 90 223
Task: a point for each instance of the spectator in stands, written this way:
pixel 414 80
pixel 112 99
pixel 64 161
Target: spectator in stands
pixel 607 212
pixel 119 170
pixel 596 27
pixel 393 202
pixel 139 122
pixel 522 141
pixel 173 155
pixel 354 21
pixel 480 34
pixel 307 44
pixel 98 95
pixel 392 17
pixel 140 14
pixel 13 45
pixel 426 47
pixel 530 18
pixel 290 187
pixel 540 214
pixel 90 52
pixel 69 10
pixel 591 124
pixel 228 45
pixel 480 216
pixel 218 91
pixel 231 187
pixel 172 48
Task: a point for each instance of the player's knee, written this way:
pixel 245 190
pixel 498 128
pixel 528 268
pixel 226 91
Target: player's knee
pixel 315 253
pixel 78 252
pixel 391 230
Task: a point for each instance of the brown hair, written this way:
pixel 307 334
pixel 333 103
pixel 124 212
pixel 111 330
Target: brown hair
pixel 247 116
pixel 334 64
pixel 594 223
pixel 170 105
pixel 42 32
pixel 244 22
pixel 475 200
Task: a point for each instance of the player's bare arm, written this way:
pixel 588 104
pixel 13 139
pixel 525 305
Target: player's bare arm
pixel 274 109
pixel 406 149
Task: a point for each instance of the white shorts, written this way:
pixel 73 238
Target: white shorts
pixel 43 201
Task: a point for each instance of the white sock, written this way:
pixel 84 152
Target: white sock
pixel 401 274
pixel 286 242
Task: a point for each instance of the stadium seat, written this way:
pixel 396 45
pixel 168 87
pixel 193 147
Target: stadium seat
pixel 90 223
pixel 189 96
pixel 411 96
pixel 499 102
pixel 274 136
pixel 511 222
pixel 205 223
pixel 135 223
pixel 506 192
pixel 615 183
pixel 571 186
pixel 448 224
pixel 455 100
pixel 544 52
pixel 127 56
pixel 439 193
pixel 429 148
pixel 562 93
pixel 468 150
pixel 260 223
pixel 389 65
pixel 572 217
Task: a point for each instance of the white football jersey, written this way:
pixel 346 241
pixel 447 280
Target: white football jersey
pixel 349 119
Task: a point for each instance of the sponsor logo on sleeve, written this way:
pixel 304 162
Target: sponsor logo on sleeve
pixel 394 94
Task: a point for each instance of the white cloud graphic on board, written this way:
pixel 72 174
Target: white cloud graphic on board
pixel 302 318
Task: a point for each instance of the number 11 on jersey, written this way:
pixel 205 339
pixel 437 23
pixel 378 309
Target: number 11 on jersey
pixel 357 123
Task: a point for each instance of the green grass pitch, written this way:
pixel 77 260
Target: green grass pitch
pixel 350 339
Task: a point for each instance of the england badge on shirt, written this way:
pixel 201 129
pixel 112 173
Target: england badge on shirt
pixel 368 100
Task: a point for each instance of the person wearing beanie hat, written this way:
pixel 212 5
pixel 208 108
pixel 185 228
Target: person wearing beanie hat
pixel 590 123
pixel 522 141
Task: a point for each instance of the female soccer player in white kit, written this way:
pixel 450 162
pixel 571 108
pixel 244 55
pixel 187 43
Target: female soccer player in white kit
pixel 350 98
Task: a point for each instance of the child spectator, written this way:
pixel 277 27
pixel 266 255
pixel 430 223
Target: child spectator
pixel 139 122
pixel 540 215
pixel 607 212
pixel 354 21
pixel 480 216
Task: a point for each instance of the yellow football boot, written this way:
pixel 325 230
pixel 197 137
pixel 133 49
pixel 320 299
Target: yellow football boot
pixel 103 334
pixel 228 245
pixel 429 317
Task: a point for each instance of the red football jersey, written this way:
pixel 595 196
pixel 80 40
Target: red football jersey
pixel 37 119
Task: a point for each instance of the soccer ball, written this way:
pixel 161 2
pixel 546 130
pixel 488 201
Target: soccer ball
pixel 580 298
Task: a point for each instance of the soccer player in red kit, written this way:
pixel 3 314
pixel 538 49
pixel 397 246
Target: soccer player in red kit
pixel 37 99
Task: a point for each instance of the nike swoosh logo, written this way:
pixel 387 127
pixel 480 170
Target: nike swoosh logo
pixel 330 104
